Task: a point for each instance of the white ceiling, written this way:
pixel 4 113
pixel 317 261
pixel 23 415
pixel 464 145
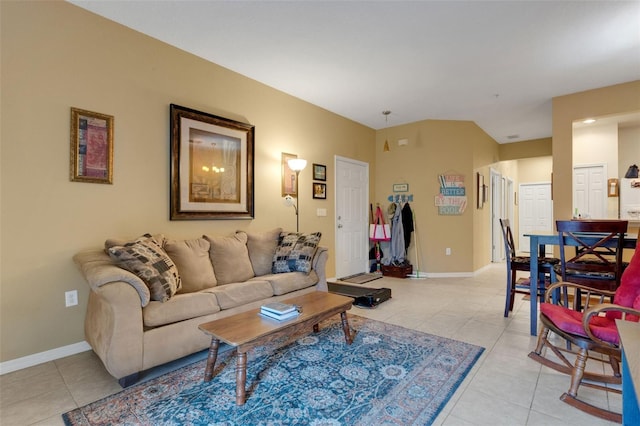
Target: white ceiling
pixel 497 63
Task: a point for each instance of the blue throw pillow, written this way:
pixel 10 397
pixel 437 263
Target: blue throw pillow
pixel 295 252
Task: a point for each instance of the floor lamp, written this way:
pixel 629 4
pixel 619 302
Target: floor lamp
pixel 297 165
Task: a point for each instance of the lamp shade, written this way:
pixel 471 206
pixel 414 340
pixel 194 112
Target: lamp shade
pixel 632 172
pixel 297 164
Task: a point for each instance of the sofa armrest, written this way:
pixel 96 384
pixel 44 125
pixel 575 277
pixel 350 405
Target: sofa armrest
pixel 114 329
pixel 98 269
pixel 319 264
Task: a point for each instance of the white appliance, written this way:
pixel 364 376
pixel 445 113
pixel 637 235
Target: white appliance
pixel 630 199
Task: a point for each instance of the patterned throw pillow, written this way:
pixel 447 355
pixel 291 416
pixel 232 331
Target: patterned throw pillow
pixel 146 258
pixel 295 252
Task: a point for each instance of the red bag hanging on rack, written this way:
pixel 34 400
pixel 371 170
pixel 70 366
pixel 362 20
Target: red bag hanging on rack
pixel 379 231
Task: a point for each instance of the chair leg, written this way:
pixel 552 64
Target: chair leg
pixel 512 294
pixel 578 372
pixel 508 301
pixel 542 338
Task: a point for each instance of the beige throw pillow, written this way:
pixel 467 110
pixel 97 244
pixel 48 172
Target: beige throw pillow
pixel 191 257
pixel 262 247
pixel 230 258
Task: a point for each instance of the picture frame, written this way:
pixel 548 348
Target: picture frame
pixel 319 190
pixel 212 166
pixel 288 176
pixel 400 187
pixel 91 157
pixel 319 172
pixel 480 190
pixel 613 187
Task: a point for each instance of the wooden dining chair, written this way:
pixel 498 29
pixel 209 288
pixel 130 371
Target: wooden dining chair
pixel 591 330
pixel 597 258
pixel 517 263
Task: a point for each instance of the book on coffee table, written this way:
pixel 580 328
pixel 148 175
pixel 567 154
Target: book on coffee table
pixel 279 317
pixel 278 308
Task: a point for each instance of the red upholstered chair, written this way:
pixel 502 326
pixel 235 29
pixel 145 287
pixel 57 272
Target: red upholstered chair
pixel 592 330
pixel 517 263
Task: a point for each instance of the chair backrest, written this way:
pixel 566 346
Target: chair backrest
pixel 599 250
pixel 509 246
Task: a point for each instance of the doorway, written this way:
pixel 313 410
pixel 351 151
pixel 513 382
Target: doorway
pixel 535 213
pixel 352 213
pixel 497 211
pixel 590 191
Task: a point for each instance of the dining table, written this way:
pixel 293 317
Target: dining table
pixel 537 244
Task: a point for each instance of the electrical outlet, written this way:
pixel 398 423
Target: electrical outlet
pixel 447 251
pixel 71 298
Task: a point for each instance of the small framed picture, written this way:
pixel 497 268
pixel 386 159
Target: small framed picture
pixel 400 187
pixel 320 190
pixel 319 172
pixel 91 147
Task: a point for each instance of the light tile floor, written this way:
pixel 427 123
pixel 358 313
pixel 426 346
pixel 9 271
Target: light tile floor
pixel 504 388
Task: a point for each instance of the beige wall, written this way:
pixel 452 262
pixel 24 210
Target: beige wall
pixel 56 56
pixel 525 149
pixel 618 99
pixel 438 147
pixel 628 148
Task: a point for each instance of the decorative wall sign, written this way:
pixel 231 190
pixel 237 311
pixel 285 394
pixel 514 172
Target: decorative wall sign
pixel 452 199
pixel 400 187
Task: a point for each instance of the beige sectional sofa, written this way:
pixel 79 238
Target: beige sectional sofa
pixel 148 296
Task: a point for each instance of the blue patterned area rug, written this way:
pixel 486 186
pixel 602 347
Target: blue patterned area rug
pixel 389 376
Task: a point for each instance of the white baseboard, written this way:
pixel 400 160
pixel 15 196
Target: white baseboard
pixel 447 274
pixel 42 357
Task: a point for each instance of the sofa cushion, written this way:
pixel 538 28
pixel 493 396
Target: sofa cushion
pixel 288 282
pixel 262 246
pixel 145 258
pixel 230 258
pixel 181 307
pixel 295 252
pixel 236 294
pixel 191 257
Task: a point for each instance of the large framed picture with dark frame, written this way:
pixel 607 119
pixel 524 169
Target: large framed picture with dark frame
pixel 212 161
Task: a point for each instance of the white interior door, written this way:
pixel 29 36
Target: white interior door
pixel 589 191
pixel 536 213
pixel 352 217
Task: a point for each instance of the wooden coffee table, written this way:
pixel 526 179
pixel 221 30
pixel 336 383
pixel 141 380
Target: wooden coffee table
pixel 248 330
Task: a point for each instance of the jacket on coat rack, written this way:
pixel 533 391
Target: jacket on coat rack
pixel 407 225
pixel 397 249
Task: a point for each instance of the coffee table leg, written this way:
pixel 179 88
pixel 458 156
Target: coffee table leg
pixel 316 328
pixel 345 328
pixel 211 359
pixel 241 377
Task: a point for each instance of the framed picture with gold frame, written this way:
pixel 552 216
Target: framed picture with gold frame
pixel 91 147
pixel 211 166
pixel 288 176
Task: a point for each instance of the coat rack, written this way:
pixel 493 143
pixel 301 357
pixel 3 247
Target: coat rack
pixel 400 198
